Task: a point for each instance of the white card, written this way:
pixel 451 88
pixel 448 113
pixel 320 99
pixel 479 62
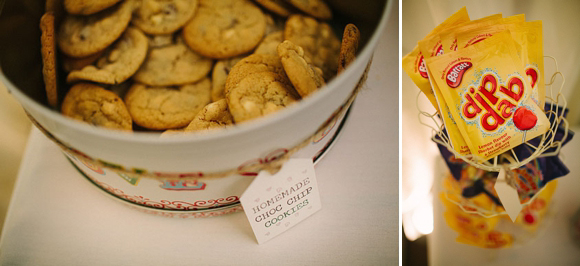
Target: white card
pixel 275 203
pixel 508 196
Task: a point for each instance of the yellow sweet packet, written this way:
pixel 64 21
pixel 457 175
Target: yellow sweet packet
pixel 529 38
pixel 473 229
pixel 433 46
pixel 430 47
pixel 473 34
pixel 414 63
pixel 488 95
pixel 447 36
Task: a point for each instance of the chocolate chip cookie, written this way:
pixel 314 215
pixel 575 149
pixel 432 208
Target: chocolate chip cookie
pixel 81 36
pixel 119 63
pixel 161 108
pixel 97 106
pixel 225 28
pixel 280 7
pixel 259 94
pixel 87 7
pixel 48 51
pixel 319 42
pixel 254 63
pixel 213 116
pixel 348 47
pixel 316 8
pixel 163 16
pixel 305 77
pixel 173 65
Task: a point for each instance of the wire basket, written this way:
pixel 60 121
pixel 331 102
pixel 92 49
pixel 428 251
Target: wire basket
pixel 508 160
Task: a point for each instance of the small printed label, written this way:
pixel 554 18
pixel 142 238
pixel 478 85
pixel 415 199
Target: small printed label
pixel 275 203
pixel 508 196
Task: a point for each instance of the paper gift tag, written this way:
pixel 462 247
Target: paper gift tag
pixel 275 203
pixel 508 196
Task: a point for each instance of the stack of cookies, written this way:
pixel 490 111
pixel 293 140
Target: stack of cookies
pixel 191 65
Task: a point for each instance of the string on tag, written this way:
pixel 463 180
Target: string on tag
pixel 509 177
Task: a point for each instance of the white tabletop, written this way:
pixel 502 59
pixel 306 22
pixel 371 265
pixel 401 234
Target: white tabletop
pixel 552 246
pixel 57 217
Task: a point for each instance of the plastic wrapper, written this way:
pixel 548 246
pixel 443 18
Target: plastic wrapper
pixel 497 231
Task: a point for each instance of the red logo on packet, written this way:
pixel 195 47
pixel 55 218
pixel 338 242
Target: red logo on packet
pixel 455 74
pixel 422 67
pixel 492 111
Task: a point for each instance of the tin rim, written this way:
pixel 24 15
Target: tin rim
pixel 210 211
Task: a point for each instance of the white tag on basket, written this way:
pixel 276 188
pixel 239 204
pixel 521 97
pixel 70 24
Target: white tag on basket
pixel 508 195
pixel 275 203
